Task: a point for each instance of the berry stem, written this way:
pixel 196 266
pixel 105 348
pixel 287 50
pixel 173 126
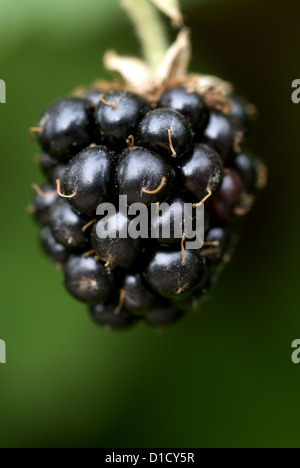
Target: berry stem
pixel 121 302
pixel 183 251
pixel 158 189
pixel 149 28
pixel 174 154
pixel 40 192
pixel 89 224
pixel 58 184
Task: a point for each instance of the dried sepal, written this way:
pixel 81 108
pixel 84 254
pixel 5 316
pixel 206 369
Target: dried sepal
pixel 138 77
pixel 207 83
pixel 134 71
pixel 215 99
pixel 177 59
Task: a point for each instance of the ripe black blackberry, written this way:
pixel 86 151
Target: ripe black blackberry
pixel 42 202
pixel 158 138
pixel 87 279
pixel 139 185
pixel 114 250
pixel 55 251
pixel 88 177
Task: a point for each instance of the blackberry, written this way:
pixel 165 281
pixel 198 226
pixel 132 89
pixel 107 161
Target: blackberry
pixel 190 104
pixel 66 128
pixel 92 95
pixel 166 132
pixel 223 135
pixel 88 280
pixel 55 251
pixel 48 164
pixel 140 173
pixel 118 114
pixel 169 227
pixel 114 249
pixel 52 169
pixel 226 204
pixel 67 226
pixel 241 112
pixel 88 177
pixel 218 240
pixel 171 276
pixel 245 166
pixel 42 203
pixel 204 169
pixel 106 315
pixel 148 144
pixel 138 298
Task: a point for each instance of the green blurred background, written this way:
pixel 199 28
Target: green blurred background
pixel 221 378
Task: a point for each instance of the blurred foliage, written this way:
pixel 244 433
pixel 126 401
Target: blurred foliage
pixel 73 21
pixel 221 378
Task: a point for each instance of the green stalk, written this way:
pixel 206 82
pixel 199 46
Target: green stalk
pixel 149 29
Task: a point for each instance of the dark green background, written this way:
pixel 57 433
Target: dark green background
pixel 221 378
